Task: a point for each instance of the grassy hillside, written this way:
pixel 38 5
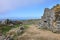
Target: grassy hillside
pixel 31 21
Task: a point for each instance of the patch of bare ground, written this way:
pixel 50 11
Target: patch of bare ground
pixel 33 33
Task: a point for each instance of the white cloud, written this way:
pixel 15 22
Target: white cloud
pixel 6 5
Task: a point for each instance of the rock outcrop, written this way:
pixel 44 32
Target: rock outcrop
pixel 51 19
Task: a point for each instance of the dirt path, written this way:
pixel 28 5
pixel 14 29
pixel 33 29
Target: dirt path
pixel 33 33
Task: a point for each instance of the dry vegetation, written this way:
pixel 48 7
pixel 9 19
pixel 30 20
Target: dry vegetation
pixel 33 33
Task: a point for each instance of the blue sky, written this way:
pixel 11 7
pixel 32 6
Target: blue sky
pixel 25 8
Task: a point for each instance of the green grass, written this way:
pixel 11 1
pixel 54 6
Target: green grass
pixel 26 26
pixel 7 28
pixel 16 26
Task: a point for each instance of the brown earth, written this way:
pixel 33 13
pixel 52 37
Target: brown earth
pixel 33 33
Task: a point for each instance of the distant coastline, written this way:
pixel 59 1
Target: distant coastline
pixel 18 18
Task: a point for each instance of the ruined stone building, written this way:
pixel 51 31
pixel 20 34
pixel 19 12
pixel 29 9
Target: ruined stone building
pixel 51 18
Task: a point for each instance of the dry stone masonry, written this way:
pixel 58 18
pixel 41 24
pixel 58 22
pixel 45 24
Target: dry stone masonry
pixel 51 19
